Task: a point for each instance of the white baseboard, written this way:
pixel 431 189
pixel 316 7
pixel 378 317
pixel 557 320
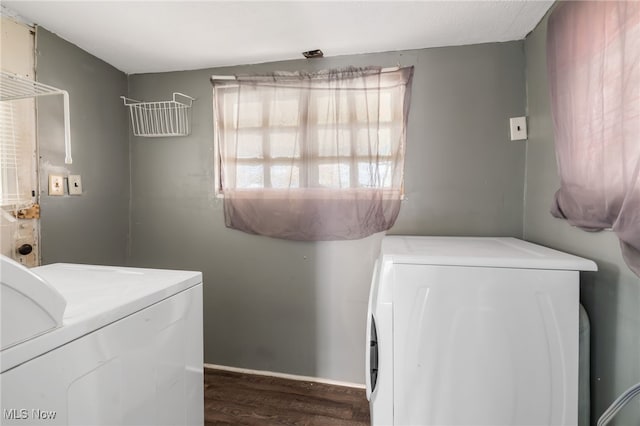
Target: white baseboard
pixel 284 376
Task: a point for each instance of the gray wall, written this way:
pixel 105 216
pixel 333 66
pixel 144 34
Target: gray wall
pixel 299 307
pixel 611 296
pixel 92 228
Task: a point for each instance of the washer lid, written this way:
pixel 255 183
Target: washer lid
pixel 97 296
pixel 30 306
pixel 479 251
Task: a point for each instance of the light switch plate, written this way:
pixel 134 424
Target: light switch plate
pixel 518 127
pixel 56 185
pixel 75 185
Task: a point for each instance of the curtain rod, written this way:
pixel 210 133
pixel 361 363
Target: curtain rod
pixel 233 77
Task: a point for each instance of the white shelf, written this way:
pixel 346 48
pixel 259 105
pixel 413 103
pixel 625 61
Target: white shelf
pixel 160 118
pixel 14 87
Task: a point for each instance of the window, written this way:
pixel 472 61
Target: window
pixel 15 155
pixel 311 136
pixel 272 151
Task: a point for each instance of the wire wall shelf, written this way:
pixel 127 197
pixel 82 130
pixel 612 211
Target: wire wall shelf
pixel 14 87
pixel 161 118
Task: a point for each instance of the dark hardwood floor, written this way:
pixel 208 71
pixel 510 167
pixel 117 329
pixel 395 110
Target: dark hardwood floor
pixel 245 399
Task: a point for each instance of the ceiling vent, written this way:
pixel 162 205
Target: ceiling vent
pixel 317 53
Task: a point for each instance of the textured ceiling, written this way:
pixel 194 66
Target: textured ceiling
pixel 156 36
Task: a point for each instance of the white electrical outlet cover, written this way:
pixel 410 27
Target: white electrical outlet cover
pixel 518 127
pixel 75 185
pixel 56 185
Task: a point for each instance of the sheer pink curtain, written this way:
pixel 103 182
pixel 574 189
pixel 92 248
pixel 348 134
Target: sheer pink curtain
pixel 312 156
pixel 593 60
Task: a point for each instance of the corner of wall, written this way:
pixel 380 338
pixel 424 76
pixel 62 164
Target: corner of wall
pixel 130 201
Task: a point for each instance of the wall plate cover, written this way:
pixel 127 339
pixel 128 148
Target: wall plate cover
pixel 75 185
pixel 56 185
pixel 518 127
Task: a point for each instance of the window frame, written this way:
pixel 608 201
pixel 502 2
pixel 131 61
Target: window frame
pixel 307 173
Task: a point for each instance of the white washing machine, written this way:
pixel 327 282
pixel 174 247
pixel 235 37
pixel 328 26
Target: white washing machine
pixel 473 331
pixel 96 345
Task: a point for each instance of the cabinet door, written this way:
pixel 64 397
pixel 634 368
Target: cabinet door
pixel 485 346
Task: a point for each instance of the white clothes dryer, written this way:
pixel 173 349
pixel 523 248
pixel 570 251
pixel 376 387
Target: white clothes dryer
pixel 473 331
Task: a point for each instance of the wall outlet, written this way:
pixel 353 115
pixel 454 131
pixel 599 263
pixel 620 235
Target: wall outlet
pixel 518 127
pixel 75 185
pixel 56 185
